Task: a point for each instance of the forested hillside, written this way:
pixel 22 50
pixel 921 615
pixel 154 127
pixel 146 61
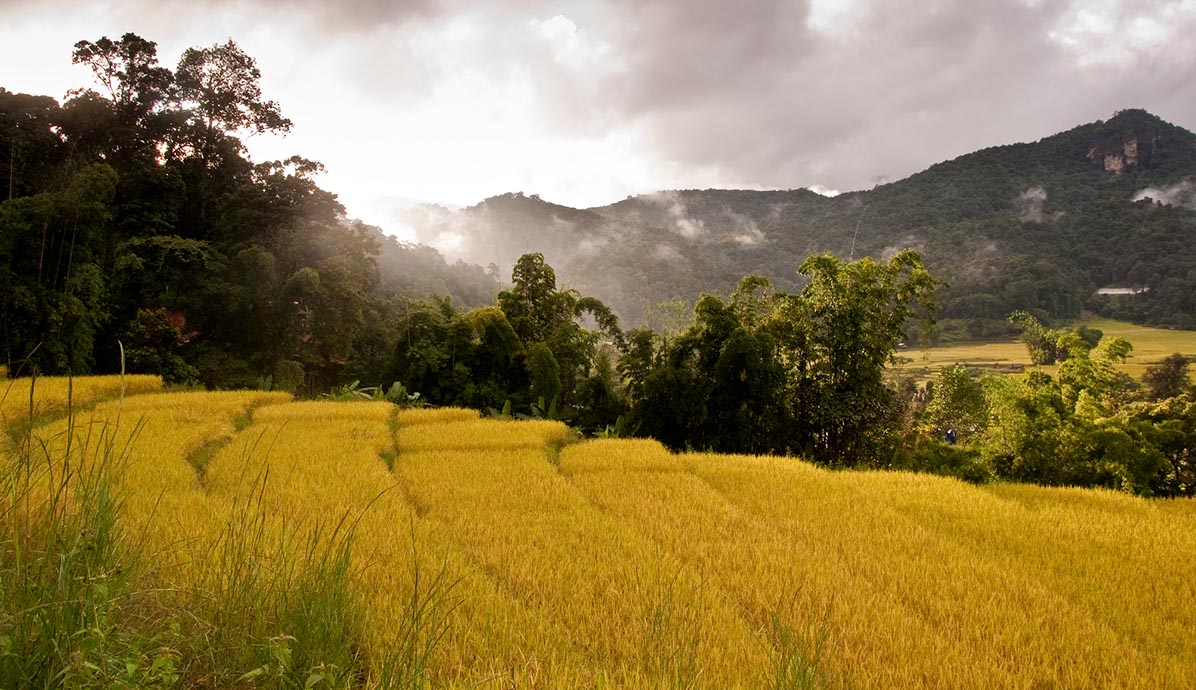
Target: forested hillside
pixel 133 215
pixel 1036 227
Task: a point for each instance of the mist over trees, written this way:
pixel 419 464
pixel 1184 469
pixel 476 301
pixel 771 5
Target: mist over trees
pixel 1037 227
pixel 132 214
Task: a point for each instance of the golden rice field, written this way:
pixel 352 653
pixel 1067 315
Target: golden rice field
pixel 24 399
pixel 616 564
pixel 1151 345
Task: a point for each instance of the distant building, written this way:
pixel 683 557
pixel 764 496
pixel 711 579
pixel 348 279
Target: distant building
pixel 1122 295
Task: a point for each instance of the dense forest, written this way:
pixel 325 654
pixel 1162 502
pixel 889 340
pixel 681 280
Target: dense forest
pixel 136 232
pixel 133 215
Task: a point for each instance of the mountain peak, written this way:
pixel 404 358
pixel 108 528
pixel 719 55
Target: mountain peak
pixel 1135 117
pixel 518 198
pixel 1135 139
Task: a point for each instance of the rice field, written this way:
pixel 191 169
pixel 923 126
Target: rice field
pixel 23 400
pixel 1151 345
pixel 434 548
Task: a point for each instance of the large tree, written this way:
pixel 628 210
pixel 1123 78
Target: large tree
pixel 220 87
pixel 839 334
pixel 780 372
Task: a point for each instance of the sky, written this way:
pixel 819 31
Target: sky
pixel 585 103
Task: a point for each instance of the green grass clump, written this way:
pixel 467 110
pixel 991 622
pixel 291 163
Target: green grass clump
pixel 68 607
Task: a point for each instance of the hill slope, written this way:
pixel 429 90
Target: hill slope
pixel 1036 226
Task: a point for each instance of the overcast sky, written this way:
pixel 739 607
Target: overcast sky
pixel 586 102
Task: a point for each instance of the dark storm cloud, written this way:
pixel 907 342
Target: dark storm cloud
pixel 774 102
pixel 771 102
pixel 687 54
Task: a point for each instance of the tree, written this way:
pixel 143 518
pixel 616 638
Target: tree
pixel 638 359
pixel 220 85
pixel 838 335
pixel 55 295
pixel 434 350
pixel 1168 378
pixel 1041 341
pixel 672 408
pixel 745 401
pixel 135 119
pixel 533 305
pixel 768 371
pixel 599 401
pixel 128 70
pixel 539 313
pixel 1085 429
pixel 607 322
pixel 30 147
pixel 544 373
pixel 496 363
pixel 1170 426
pixel 1088 381
pixel 958 404
pixel 132 214
pixel 151 343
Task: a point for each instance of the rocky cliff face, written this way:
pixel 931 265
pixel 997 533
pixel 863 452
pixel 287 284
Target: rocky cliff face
pixel 1130 154
pixel 1131 140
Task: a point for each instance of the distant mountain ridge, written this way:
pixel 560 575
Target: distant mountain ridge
pixel 1036 226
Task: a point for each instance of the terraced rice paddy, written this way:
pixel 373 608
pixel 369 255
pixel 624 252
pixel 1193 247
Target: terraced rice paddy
pixel 1151 345
pixel 540 562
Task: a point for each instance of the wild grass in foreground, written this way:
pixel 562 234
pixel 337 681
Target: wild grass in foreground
pixel 120 568
pixel 66 573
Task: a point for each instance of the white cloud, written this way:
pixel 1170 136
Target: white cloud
pixel 824 191
pixel 1115 33
pixel 830 16
pixel 1031 202
pixel 570 45
pixel 667 253
pixel 1181 194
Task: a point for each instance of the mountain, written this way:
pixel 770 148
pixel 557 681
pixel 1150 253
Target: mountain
pixel 1037 226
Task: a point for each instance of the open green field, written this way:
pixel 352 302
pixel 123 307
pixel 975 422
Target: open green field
pixel 1151 345
pixel 270 543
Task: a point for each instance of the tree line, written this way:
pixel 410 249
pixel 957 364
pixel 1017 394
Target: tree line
pixel 808 374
